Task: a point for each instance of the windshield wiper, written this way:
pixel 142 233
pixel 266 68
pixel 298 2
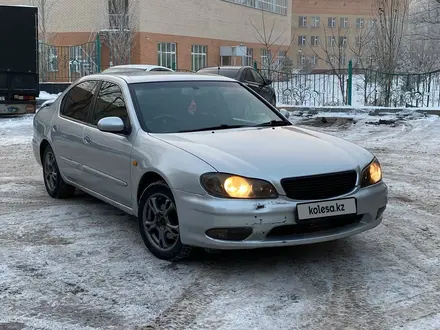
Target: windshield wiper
pixel 212 128
pixel 274 123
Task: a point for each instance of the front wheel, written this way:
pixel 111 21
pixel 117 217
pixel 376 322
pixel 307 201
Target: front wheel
pixel 54 183
pixel 159 223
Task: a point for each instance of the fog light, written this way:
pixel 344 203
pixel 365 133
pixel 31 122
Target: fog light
pixel 230 234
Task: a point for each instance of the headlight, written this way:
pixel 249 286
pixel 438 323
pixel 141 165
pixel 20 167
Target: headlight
pixel 372 174
pixel 233 186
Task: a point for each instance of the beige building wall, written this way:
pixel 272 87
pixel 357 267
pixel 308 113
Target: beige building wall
pixel 350 25
pixel 214 19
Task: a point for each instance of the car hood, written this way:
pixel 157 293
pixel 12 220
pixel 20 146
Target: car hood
pixel 271 153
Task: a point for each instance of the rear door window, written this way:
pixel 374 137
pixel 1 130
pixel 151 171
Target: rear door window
pixel 78 102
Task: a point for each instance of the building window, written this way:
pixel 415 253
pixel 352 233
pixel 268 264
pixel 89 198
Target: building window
pixel 332 22
pixel 266 61
pixel 359 23
pixel 301 60
pixel 198 57
pixel 316 21
pixel 273 6
pixel 343 41
pixel 344 22
pixel 314 40
pixel 302 21
pixel 314 60
pixel 302 40
pixel 282 54
pixel 76 59
pixel 166 55
pixel 331 41
pixel 371 23
pixel 249 59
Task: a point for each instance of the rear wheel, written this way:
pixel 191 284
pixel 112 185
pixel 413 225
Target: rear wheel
pixel 159 223
pixel 54 183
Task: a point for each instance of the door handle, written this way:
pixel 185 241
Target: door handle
pixel 87 140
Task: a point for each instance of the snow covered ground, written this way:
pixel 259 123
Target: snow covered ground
pixel 81 264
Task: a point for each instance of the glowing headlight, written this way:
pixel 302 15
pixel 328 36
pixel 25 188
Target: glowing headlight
pixel 234 186
pixel 372 174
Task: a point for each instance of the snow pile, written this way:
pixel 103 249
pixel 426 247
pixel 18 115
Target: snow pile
pixel 47 96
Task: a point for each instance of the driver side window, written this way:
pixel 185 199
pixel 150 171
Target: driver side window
pixel 110 103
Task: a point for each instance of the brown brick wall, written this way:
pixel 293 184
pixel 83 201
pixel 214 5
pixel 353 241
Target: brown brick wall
pixel 148 48
pixel 336 7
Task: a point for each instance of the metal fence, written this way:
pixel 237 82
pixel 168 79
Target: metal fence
pixel 68 63
pixel 368 88
pixel 331 88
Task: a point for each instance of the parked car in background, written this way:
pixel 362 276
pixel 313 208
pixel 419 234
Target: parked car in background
pixel 203 162
pixel 136 67
pixel 247 75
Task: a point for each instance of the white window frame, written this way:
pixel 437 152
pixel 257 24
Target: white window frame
pixel 359 23
pixel 76 59
pixel 333 22
pixel 302 21
pixel 168 48
pixel 316 21
pixel 302 40
pixel 273 6
pixel 314 41
pixel 197 52
pixel 344 22
pixel 331 41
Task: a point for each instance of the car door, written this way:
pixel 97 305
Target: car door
pixel 265 90
pixel 67 129
pixel 107 156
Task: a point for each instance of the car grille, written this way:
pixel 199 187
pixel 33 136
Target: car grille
pixel 314 226
pixel 319 186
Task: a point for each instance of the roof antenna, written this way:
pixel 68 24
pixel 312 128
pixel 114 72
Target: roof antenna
pixel 218 68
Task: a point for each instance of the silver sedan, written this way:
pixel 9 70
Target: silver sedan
pixel 203 161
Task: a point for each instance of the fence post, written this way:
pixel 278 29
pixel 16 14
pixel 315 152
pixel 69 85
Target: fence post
pixel 350 82
pixel 98 52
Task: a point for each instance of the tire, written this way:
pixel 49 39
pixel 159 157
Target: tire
pixel 163 236
pixel 54 183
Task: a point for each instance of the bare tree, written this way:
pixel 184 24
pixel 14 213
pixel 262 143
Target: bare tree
pixel 389 32
pixel 275 47
pixel 390 28
pixel 120 38
pixel 48 58
pixel 424 18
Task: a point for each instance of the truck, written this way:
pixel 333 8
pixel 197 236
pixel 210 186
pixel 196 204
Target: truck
pixel 19 64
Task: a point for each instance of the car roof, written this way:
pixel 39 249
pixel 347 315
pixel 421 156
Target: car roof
pixel 134 77
pixel 138 66
pixel 225 67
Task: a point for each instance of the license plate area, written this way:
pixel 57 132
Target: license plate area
pixel 326 209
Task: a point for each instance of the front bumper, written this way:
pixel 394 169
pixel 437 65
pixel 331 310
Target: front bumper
pixel 200 213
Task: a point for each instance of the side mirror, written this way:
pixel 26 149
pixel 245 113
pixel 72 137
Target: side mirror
pixel 285 113
pixel 111 124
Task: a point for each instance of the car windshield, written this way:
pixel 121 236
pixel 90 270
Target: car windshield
pixel 173 107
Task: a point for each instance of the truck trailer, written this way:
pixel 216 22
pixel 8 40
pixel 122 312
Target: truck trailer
pixel 19 64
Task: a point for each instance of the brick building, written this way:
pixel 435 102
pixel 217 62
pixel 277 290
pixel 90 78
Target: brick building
pixel 328 33
pixel 186 34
